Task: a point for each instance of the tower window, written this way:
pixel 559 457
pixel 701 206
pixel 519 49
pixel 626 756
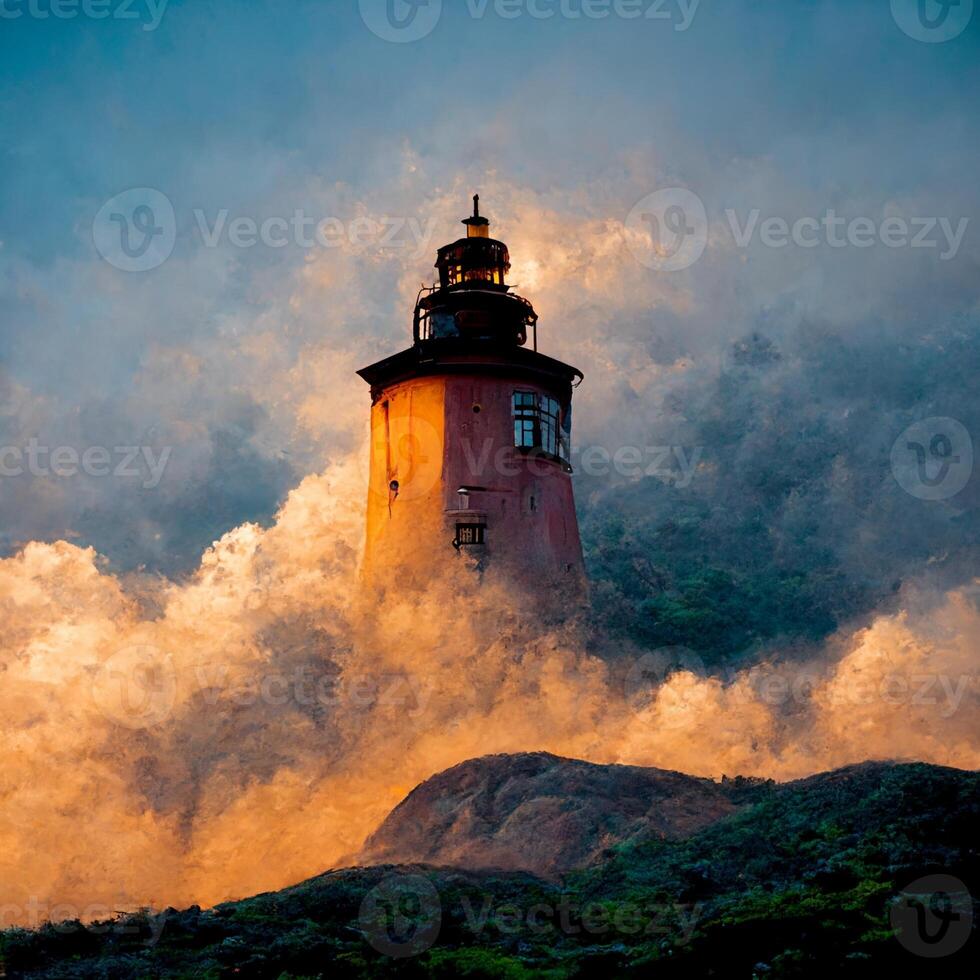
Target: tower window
pixel 539 423
pixel 469 534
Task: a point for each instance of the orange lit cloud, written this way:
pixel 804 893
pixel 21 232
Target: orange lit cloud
pixel 251 726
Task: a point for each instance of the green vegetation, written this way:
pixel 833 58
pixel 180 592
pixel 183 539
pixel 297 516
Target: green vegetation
pixel 718 586
pixel 797 884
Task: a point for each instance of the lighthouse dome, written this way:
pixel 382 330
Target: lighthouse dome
pixel 472 300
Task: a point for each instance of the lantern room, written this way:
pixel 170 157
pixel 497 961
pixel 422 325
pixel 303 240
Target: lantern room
pixel 477 259
pixel 472 301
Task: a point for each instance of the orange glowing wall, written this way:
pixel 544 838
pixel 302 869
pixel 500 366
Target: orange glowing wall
pixel 434 435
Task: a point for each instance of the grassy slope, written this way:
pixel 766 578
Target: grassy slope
pixel 798 884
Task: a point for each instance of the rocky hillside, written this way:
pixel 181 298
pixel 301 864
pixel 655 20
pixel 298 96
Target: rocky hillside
pixel 538 812
pixel 832 875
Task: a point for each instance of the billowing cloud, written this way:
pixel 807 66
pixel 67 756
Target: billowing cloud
pixel 177 743
pixel 195 703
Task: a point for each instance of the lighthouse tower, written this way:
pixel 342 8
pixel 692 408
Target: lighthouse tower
pixel 470 430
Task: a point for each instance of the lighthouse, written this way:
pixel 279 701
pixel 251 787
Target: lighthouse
pixel 470 437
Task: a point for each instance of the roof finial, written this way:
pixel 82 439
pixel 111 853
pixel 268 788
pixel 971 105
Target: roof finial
pixel 476 226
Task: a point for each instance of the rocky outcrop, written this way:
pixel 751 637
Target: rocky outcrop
pixel 542 813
